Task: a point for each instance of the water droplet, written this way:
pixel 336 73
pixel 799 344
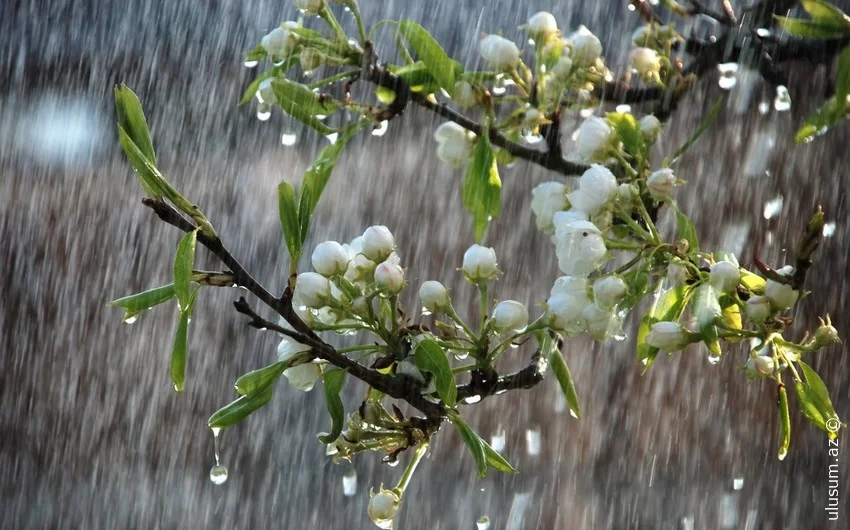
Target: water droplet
pixel 532 138
pixel 472 399
pixel 251 64
pixel 738 483
pixel 349 482
pixel 729 511
pixel 332 137
pixel 130 319
pixel 631 7
pixel 498 90
pixel 381 129
pixel 773 207
pixel 532 441
pixel 288 139
pixel 782 454
pixel 218 474
pixel 385 525
pixel 584 113
pixel 264 112
pixel 461 355
pixel 763 32
pixel 425 312
pixel 727 82
pixel 531 42
pixel 624 108
pixel 346 9
pixel 713 359
pixel 728 75
pixel 783 99
pixel 483 523
pixel 764 107
pixel 308 74
pixel 828 229
pixel 497 441
pixel 687 523
pixel 573 414
pixel 392 463
pixel 513 345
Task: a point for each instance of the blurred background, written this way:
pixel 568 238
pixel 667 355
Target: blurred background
pixel 91 434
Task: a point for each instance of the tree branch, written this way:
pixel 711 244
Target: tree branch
pixel 485 384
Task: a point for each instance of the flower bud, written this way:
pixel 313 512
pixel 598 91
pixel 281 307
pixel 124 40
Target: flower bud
pixel 758 309
pixel 542 24
pixel 383 507
pixel 650 128
pixel 311 58
pixel 608 291
pixel 725 276
pixel 677 272
pixel 645 61
pixel 455 154
pixel 434 296
pixel 281 40
pixel 389 277
pixel 464 94
pixel 479 264
pixel 592 139
pixel 597 186
pixel 825 335
pixel 304 376
pixel 330 258
pixel 561 70
pixel 377 242
pixel 310 6
pixel 499 52
pixel 601 323
pixel 781 295
pixel 547 199
pixel 565 312
pixel 580 248
pixel 763 364
pixel 312 289
pixel 586 47
pixel 660 184
pixel 667 336
pixel 706 308
pixel 360 269
pixel 509 315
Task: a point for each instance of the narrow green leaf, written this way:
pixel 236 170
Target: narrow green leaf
pixel 429 357
pixel 821 120
pixel 184 262
pixel 316 178
pixel 177 366
pixel 257 379
pixel 628 131
pixel 497 461
pixel 432 54
pixel 565 380
pixel 669 307
pixel 333 382
pixel 417 77
pixel 784 423
pixel 703 126
pixel 136 303
pixel 825 13
pixel 149 176
pixel 814 399
pixel 810 28
pixel 687 231
pixel 131 118
pixel 473 441
pixel 241 408
pixel 842 82
pixel 288 210
pixel 303 104
pixel 272 72
pixel 257 53
pixel 482 187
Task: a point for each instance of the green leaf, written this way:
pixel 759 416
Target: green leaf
pixel 497 461
pixel 753 282
pixel 482 187
pixel 303 104
pixel 628 131
pixel 136 303
pixel 432 54
pixel 131 118
pixel 385 95
pixel 810 28
pixel 825 13
pixel 668 307
pixel 565 379
pixel 257 53
pixel 473 441
pixel 417 77
pixel 177 366
pixel 429 357
pixel 184 261
pixel 333 381
pixel 270 73
pixel 703 126
pixel 784 423
pixel 821 120
pixel 842 82
pixel 288 210
pixel 257 379
pixel 814 399
pixel 637 278
pixel 316 178
pixel 149 176
pixel 687 231
pixel 241 408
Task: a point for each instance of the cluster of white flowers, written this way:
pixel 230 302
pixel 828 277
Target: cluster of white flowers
pixel 454 144
pixel 576 305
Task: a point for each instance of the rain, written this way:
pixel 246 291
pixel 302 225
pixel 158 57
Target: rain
pixel 92 434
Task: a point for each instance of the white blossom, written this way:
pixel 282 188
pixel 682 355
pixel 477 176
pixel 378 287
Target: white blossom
pixel 389 277
pixel 650 128
pixel 499 52
pixel 706 307
pixel 661 183
pixel 586 47
pixel 280 41
pixel 304 376
pixel 360 269
pixel 758 308
pixel 547 199
pixel 434 296
pixel 479 263
pixel 725 276
pixel 601 323
pixel 580 248
pixel 609 290
pixel 677 272
pixel 592 139
pixel 781 295
pixel 562 68
pixel 542 24
pixel 464 94
pixel 667 336
pixel 596 187
pixel 377 243
pixel 509 315
pixel 567 300
pixel 454 144
pixel 312 289
pixel 645 61
pixel 330 258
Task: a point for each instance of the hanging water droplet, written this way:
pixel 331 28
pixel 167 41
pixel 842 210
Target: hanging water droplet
pixel 631 7
pixel 425 312
pixel 381 129
pixel 349 482
pixel 483 523
pixel 497 441
pixel 728 75
pixel 392 463
pixel 532 441
pixel 738 483
pixel 130 319
pixel 384 525
pixel 472 399
pixel 531 42
pixel 251 64
pixel 783 99
pixel 584 113
pixel 264 111
pixel 763 32
pixel 713 359
pixel 499 85
pixel 332 137
pixel 288 139
pixel 218 474
pixel 308 74
pixel 513 345
pixel 764 107
pixel 625 109
pixel 782 454
pixel 573 414
pixel 532 138
pixel 346 9
pixel 828 229
pixel 773 207
pixel 461 355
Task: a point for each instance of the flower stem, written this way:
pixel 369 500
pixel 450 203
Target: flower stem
pixel 411 467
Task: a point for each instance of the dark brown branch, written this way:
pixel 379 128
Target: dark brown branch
pixel 645 11
pixel 484 384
